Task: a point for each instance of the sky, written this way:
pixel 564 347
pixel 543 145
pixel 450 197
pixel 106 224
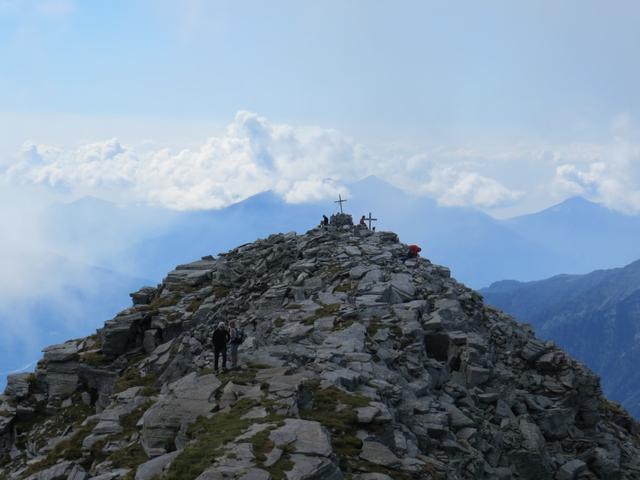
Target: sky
pixel 504 106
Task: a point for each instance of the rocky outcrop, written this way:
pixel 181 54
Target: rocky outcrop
pixel 357 364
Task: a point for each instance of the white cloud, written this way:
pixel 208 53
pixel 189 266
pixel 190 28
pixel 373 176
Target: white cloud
pixel 253 155
pixel 454 187
pixel 609 174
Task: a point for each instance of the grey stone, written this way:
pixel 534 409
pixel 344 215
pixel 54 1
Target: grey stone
pixel 156 466
pixel 378 454
pixel 313 468
pixel 186 399
pixel 571 470
pixel 303 436
pixel 18 384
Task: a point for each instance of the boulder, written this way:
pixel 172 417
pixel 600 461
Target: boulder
pixel 186 399
pixel 18 384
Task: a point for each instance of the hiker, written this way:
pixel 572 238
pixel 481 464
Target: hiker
pixel 325 221
pixel 414 251
pixel 220 339
pixel 363 222
pixel 236 336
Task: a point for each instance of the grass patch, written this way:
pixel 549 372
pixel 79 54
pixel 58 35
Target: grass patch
pixel 94 358
pixel 132 377
pixel 345 321
pixel 332 270
pixel 220 291
pixel 40 426
pixel 375 324
pixel 161 302
pixel 129 457
pixel 346 287
pixel 324 311
pixel 241 376
pixel 209 436
pixel 335 409
pixel 129 421
pixel 194 306
pixel 262 446
pixel 611 407
pixel 69 449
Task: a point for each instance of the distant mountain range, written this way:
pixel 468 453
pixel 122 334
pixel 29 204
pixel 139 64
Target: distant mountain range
pixel 595 317
pixel 576 236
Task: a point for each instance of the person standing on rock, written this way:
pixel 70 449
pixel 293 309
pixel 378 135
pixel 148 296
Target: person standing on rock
pixel 220 339
pixel 236 338
pixel 363 221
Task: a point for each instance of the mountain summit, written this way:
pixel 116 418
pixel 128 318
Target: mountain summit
pixel 358 364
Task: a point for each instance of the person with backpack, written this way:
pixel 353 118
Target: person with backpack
pixel 236 338
pixel 220 339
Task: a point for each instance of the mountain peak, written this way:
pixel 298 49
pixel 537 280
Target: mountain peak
pixel 572 203
pixel 358 362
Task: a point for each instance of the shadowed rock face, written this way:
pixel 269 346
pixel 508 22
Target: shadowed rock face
pixel 356 365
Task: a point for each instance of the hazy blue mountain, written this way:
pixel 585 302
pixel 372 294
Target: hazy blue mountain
pixel 70 300
pixel 208 232
pixel 94 230
pixel 582 235
pixel 595 317
pixel 478 248
pixel 575 236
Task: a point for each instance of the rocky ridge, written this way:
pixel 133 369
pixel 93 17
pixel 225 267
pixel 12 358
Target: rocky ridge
pixel 357 365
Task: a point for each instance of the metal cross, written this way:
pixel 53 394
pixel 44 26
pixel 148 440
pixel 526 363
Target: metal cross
pixel 340 201
pixel 371 219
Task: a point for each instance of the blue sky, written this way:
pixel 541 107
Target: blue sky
pixel 481 92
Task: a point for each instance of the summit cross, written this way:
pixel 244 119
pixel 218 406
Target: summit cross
pixel 340 201
pixel 371 219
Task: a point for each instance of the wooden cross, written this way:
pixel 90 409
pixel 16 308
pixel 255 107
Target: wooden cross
pixel 371 219
pixel 340 201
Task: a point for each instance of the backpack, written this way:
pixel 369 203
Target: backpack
pixel 239 336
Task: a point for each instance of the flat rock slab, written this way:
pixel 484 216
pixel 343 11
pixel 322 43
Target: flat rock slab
pixel 371 476
pixel 379 454
pixel 186 400
pixel 303 436
pixel 218 473
pixel 63 352
pixel 313 468
pixel 156 466
pixel 61 471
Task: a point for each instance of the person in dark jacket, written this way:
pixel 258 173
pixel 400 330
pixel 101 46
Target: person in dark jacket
pixel 220 339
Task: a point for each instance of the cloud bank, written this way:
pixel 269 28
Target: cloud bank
pixel 609 174
pixel 300 163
